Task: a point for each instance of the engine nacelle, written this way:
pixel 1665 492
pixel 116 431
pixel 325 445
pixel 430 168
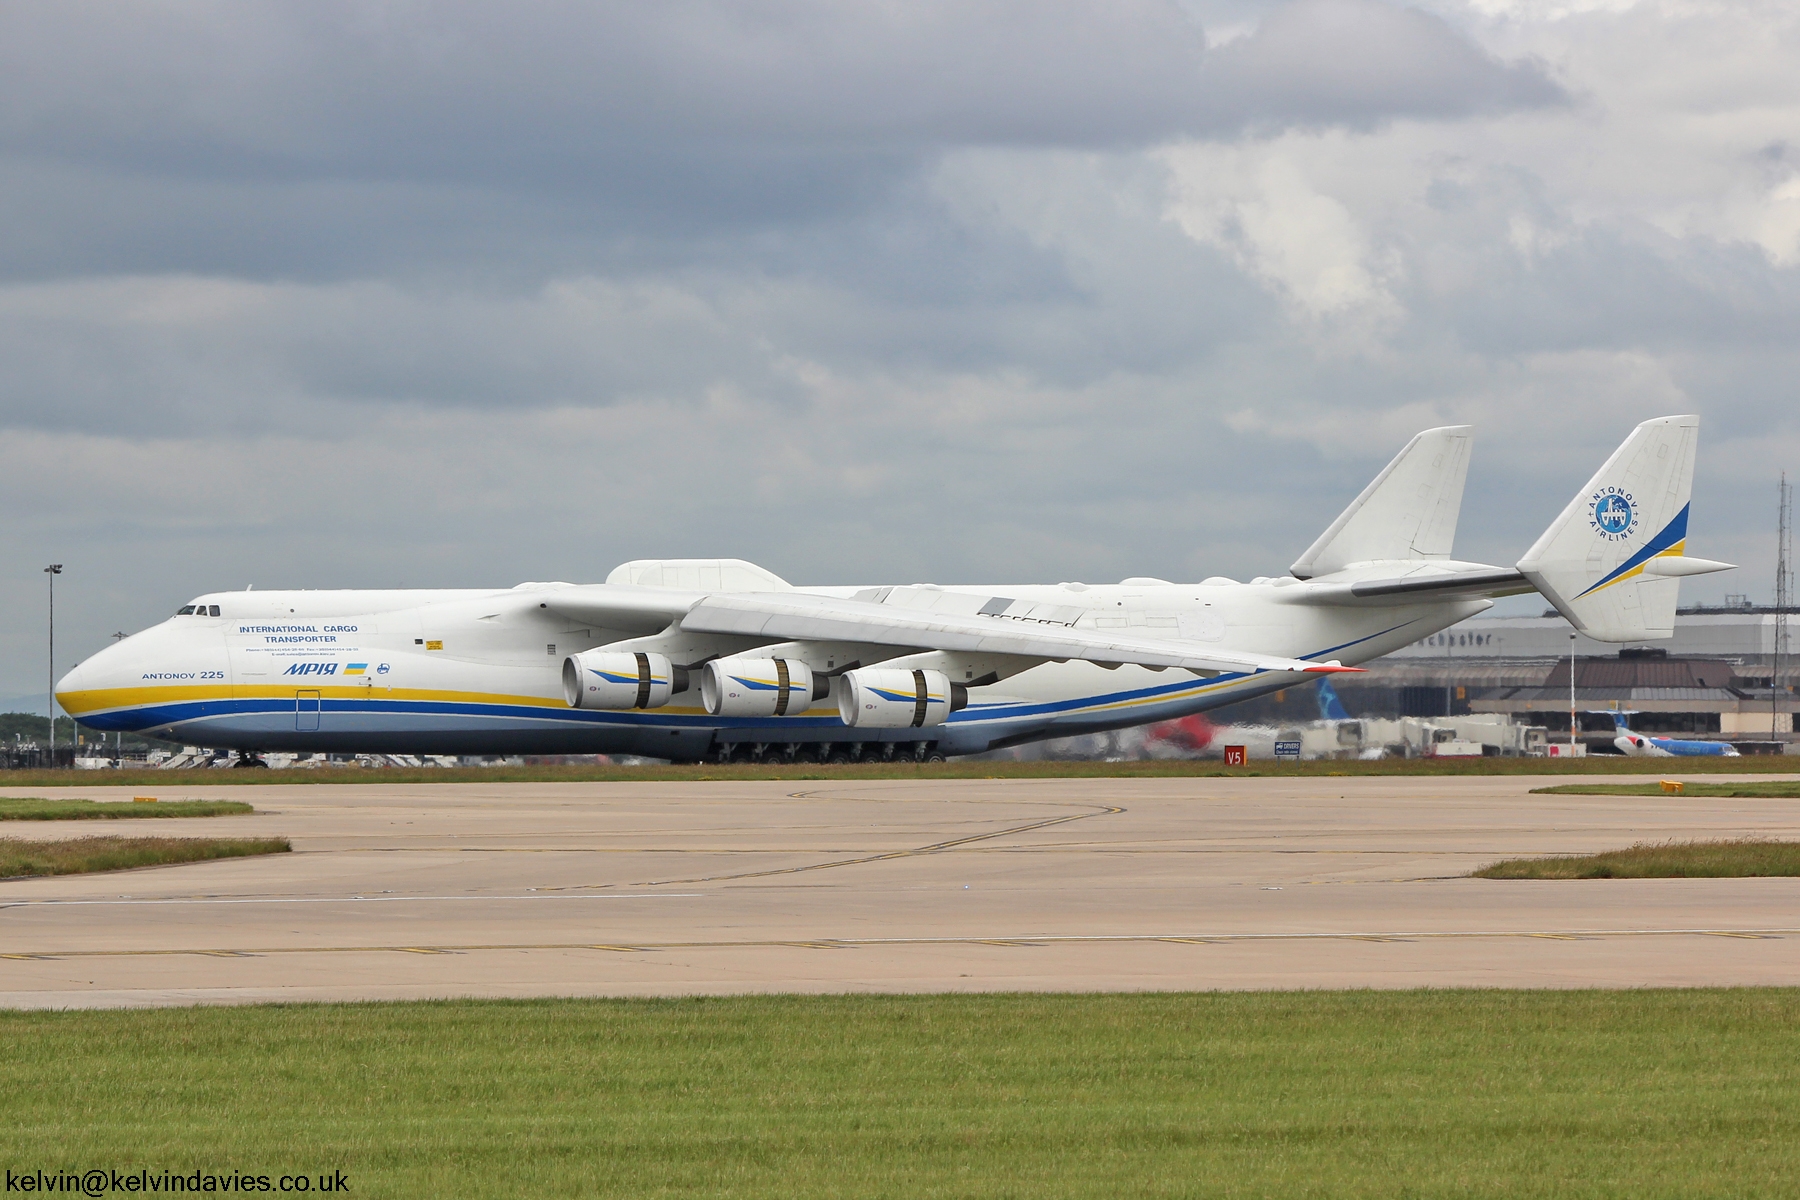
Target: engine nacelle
pixel 756 687
pixel 891 698
pixel 612 679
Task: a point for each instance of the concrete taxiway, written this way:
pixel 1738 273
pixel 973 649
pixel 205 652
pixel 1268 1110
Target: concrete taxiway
pixel 416 890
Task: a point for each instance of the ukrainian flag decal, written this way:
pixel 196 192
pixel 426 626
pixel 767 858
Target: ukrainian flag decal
pixel 356 668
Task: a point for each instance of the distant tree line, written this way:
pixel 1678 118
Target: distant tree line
pixel 30 727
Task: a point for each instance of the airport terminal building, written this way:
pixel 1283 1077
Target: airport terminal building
pixel 1715 676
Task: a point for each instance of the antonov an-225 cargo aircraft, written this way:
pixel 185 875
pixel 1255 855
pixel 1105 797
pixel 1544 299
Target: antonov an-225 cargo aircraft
pixel 684 659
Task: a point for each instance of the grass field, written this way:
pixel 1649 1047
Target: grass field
pixel 1659 860
pixel 1776 789
pixel 1605 764
pixel 39 808
pixel 1329 1094
pixel 75 856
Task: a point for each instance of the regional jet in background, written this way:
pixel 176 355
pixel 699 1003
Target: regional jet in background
pixel 684 659
pixel 1644 745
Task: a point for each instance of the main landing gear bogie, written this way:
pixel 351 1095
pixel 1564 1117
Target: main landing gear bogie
pixel 828 753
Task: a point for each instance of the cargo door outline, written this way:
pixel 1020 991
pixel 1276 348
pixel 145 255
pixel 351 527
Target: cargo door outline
pixel 306 711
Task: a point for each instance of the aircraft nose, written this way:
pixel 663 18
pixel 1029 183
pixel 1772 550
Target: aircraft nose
pixel 74 681
pixel 80 689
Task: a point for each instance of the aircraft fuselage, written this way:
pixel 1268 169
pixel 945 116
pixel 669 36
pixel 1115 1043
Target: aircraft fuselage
pixel 480 672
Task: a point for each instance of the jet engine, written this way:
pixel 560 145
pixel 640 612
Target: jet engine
pixel 891 698
pixel 612 679
pixel 756 687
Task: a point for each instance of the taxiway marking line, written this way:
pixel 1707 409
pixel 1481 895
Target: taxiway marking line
pixel 1204 939
pixel 5 904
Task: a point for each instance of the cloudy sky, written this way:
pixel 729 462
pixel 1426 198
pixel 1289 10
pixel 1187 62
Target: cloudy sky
pixel 365 294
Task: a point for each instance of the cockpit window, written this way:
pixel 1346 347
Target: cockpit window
pixel 186 610
pixel 214 611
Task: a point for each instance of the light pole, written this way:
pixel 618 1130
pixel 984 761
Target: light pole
pixel 53 570
pixel 1450 674
pixel 118 734
pixel 1572 725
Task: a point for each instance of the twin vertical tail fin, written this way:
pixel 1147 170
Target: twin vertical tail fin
pixel 1408 512
pixel 1612 562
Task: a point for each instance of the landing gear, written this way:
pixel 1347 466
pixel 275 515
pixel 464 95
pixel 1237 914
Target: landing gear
pixel 249 758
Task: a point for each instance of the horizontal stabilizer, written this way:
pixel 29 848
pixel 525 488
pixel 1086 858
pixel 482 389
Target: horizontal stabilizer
pixel 1425 585
pixel 1680 565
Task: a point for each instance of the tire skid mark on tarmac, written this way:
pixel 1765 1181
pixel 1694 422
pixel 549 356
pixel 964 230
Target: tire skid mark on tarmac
pixel 1101 810
pixel 1016 940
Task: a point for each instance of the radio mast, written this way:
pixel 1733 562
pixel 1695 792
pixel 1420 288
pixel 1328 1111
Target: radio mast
pixel 1784 587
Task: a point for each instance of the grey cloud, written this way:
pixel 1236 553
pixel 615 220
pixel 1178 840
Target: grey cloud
pixel 675 116
pixel 1360 63
pixel 558 91
pixel 952 286
pixel 331 139
pixel 1494 264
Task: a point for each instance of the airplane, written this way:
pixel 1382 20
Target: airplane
pixel 1643 745
pixel 690 659
pixel 1194 734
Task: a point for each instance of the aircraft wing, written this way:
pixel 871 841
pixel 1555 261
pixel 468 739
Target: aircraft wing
pixel 1424 584
pixel 790 616
pixel 641 610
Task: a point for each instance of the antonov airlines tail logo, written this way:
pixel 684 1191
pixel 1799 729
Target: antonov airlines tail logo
pixel 1613 513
